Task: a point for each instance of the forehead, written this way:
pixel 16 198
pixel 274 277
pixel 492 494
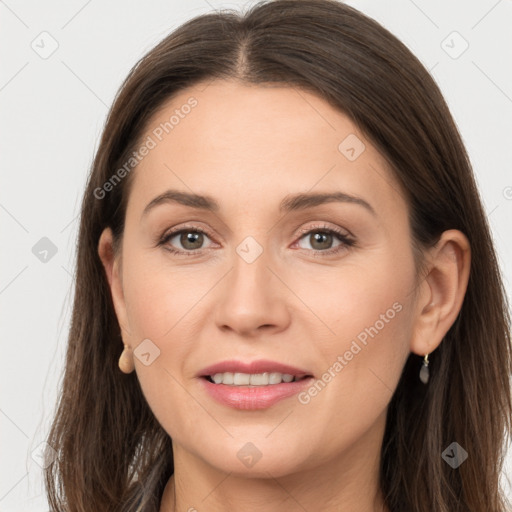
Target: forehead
pixel 248 143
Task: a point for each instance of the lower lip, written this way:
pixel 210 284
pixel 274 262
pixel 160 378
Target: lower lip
pixel 256 397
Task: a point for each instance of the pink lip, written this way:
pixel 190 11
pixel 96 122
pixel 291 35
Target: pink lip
pixel 253 397
pixel 256 397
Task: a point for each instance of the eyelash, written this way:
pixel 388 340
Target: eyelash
pixel 345 240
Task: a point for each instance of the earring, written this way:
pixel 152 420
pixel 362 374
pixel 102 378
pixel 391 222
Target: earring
pixel 126 363
pixel 424 372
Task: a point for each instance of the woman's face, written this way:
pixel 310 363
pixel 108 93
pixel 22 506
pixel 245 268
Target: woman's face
pixel 278 265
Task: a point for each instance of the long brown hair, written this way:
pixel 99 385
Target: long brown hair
pixel 112 453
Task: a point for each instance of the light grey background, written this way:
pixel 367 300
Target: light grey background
pixel 52 113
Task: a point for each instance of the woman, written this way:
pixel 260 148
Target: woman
pixel 287 294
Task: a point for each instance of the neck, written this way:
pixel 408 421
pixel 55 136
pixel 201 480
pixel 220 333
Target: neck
pixel 348 482
pixel 271 495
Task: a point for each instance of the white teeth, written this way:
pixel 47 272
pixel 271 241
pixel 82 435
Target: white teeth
pixel 254 379
pixel 259 379
pixel 217 378
pixel 241 379
pixel 275 378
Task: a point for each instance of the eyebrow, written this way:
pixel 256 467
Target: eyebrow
pixel 290 203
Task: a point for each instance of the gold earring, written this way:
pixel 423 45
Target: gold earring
pixel 425 372
pixel 126 363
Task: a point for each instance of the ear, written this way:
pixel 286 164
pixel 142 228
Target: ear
pixel 441 291
pixel 112 264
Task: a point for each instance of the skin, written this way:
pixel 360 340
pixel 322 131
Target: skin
pixel 249 147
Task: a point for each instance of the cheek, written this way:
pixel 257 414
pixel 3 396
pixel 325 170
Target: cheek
pixel 160 306
pixel 368 309
pixel 366 289
pixel 160 296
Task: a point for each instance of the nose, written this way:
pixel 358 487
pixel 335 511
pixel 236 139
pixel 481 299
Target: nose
pixel 252 300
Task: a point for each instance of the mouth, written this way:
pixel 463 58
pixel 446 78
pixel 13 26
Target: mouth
pixel 253 373
pixel 253 379
pixel 254 385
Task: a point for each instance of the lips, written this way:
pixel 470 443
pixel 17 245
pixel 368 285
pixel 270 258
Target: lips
pixel 253 397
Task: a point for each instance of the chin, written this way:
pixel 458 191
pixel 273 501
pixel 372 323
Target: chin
pixel 259 458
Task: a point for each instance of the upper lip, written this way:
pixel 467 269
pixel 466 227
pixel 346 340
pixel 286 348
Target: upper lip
pixel 252 367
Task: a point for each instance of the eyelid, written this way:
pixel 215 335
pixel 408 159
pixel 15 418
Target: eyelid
pixel 324 226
